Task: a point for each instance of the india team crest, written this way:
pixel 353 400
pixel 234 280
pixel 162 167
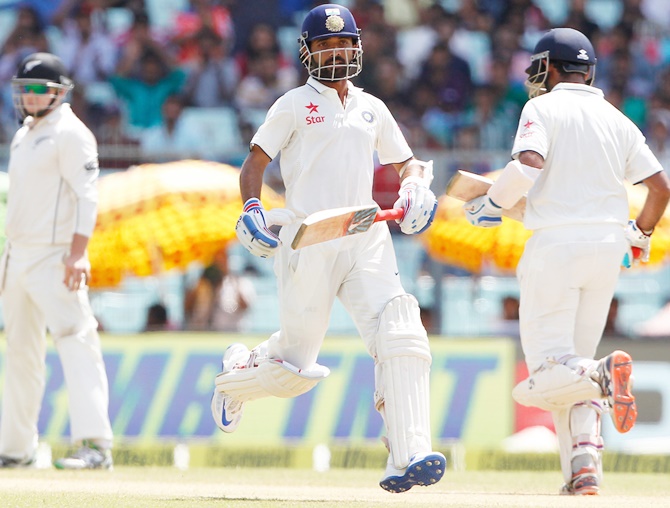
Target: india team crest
pixel 334 23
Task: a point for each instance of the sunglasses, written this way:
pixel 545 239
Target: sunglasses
pixel 36 88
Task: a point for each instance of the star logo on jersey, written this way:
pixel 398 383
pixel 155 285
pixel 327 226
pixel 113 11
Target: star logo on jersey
pixel 528 124
pixel 313 108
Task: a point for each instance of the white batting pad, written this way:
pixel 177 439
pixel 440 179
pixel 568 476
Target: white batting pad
pixel 402 379
pixel 269 378
pixel 578 431
pixel 555 386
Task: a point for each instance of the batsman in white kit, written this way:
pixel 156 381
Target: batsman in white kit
pixel 571 154
pixel 327 132
pixel 51 213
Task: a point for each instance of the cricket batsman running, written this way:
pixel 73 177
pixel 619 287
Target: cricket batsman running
pixel 572 152
pixel 327 132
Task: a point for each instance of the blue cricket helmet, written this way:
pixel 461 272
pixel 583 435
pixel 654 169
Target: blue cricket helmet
pixel 566 47
pixel 330 20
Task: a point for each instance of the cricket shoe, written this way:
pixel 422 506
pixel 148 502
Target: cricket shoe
pixel 89 456
pixel 9 462
pixel 424 469
pixel 226 411
pixel 616 380
pixel 585 480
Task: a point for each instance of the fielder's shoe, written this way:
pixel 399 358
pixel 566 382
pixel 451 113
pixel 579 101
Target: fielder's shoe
pixel 227 412
pixel 585 480
pixel 89 456
pixel 424 469
pixel 9 462
pixel 616 381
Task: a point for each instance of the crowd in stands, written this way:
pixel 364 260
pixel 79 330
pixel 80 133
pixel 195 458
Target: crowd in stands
pixel 451 71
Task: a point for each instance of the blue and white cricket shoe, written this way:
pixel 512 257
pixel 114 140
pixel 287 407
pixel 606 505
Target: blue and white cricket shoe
pixel 227 412
pixel 424 469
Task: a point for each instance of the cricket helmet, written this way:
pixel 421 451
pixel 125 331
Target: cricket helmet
pixel 566 47
pixel 40 74
pixel 330 20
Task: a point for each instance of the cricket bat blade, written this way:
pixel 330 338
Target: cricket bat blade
pixel 335 223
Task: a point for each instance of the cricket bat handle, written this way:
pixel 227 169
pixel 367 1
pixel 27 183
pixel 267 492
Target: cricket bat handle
pixel 392 214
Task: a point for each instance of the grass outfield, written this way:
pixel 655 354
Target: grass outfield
pixel 152 487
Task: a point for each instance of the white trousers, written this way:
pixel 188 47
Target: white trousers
pixel 567 277
pixel 361 270
pixel 34 299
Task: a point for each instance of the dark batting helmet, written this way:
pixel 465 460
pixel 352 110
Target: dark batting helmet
pixel 568 48
pixel 330 20
pixel 40 74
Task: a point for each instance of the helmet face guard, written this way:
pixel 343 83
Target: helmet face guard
pixel 333 64
pixel 38 87
pixel 537 74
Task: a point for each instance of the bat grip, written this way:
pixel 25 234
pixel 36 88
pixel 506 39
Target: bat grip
pixel 392 214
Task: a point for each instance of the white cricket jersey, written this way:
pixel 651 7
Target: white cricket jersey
pixel 53 168
pixel 327 148
pixel 589 147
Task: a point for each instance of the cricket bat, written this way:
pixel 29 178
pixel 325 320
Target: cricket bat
pixel 339 222
pixel 466 186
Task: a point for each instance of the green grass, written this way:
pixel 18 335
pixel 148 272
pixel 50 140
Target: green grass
pixel 152 487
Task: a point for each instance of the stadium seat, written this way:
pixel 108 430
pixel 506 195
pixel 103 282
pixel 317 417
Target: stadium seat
pixel 217 127
pixel 162 12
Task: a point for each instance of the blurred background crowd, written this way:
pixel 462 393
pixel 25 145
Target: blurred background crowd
pixel 166 80
pixel 151 75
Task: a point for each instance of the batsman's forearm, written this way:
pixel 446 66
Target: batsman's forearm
pixel 250 185
pixel 656 202
pixel 251 174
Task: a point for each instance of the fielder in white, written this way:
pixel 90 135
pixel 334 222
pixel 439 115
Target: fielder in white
pixel 327 132
pixel 572 152
pixel 51 213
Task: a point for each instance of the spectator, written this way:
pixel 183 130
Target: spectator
pixel 508 323
pixel 173 138
pixel 496 127
pixel 266 82
pixel 86 50
pixel 213 74
pixel 139 37
pixel 580 20
pixel 262 39
pixel 26 37
pixel 157 318
pixel 159 78
pixel 220 300
pixel 201 16
pixel 380 45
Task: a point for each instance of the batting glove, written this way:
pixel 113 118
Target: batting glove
pixel 638 239
pixel 253 231
pixel 419 204
pixel 483 212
